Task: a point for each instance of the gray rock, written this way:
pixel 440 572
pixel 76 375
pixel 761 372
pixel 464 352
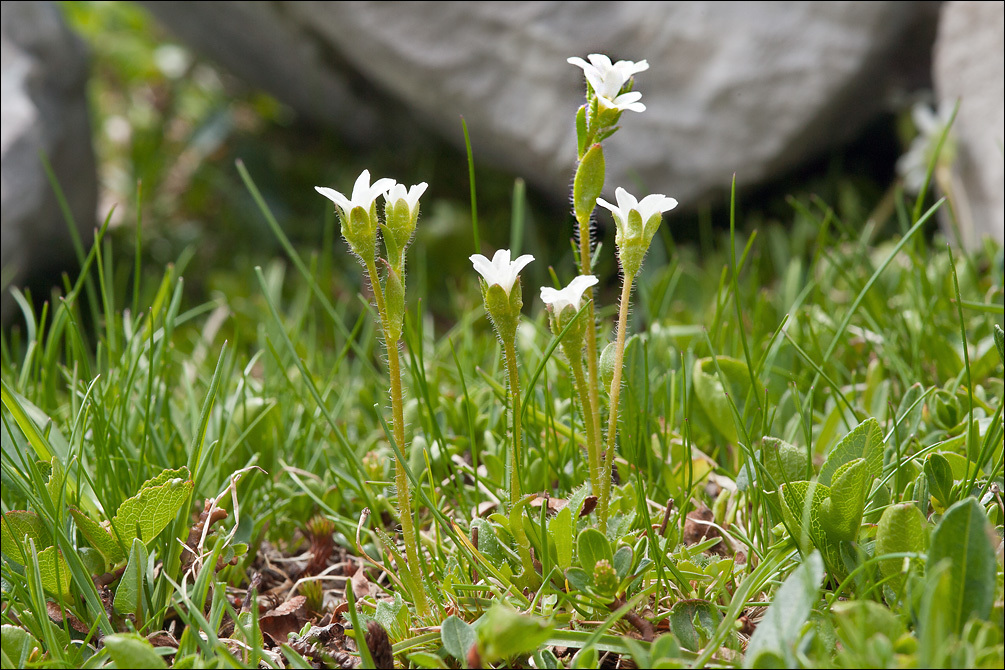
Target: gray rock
pixel 751 88
pixel 44 110
pixel 969 66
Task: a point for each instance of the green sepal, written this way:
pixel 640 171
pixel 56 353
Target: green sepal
pixel 399 219
pixel 588 183
pixel 581 130
pixel 360 233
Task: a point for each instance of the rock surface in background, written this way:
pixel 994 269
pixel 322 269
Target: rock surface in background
pixel 969 65
pixel 751 88
pixel 44 110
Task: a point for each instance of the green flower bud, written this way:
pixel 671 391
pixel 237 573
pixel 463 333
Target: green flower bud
pixel 605 578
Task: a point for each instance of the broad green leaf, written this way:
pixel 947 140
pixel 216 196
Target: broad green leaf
pixel 801 502
pixel 623 559
pixel 18 524
pixel 693 622
pixel 714 398
pixel 503 633
pixel 129 594
pixel 17 645
pixel 864 441
pixel 592 546
pixel 54 572
pixel 545 658
pixel 99 538
pixel 901 529
pixel 940 478
pixel 458 636
pixel 780 629
pixel 421 659
pixel 958 464
pixel 963 539
pixel 783 461
pixel 147 513
pixel 561 529
pixel 165 476
pixel 129 650
pixel 841 512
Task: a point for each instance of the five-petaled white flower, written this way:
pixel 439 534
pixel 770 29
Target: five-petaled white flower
pixel 657 203
pixel 500 270
pixel 363 193
pixel 570 296
pixel 397 192
pixel 608 79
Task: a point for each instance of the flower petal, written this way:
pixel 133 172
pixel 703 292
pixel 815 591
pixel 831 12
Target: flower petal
pixel 340 200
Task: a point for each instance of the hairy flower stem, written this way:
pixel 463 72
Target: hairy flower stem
pixel 514 394
pixel 398 426
pixel 593 442
pixel 612 420
pixel 583 389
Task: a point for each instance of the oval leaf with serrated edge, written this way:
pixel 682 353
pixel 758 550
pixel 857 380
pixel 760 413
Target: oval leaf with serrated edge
pixel 779 630
pixel 147 513
pixel 99 538
pixel 962 538
pixel 18 524
pixel 864 441
pixel 54 572
pixel 693 622
pixel 165 476
pixel 841 512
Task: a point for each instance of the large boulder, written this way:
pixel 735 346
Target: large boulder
pixel 44 111
pixel 751 88
pixel 969 66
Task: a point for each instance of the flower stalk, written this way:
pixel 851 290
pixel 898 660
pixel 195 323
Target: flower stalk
pixel 503 296
pixel 361 228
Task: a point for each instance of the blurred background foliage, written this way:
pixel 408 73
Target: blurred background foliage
pixel 169 126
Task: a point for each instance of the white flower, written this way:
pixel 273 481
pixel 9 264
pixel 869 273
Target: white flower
pixel 363 193
pixel 608 79
pixel 570 296
pixel 397 192
pixel 500 270
pixel 913 165
pixel 657 203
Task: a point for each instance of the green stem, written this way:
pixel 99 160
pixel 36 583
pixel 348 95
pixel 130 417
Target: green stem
pixel 593 388
pixel 576 363
pixel 398 426
pixel 514 394
pixel 612 420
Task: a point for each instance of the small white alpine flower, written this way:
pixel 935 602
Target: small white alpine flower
pixel 570 296
pixel 651 205
pixel 397 192
pixel 608 79
pixel 930 124
pixel 363 193
pixel 500 271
